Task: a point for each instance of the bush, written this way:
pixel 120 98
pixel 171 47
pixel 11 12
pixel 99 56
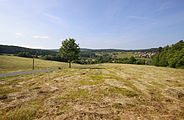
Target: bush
pixel 140 62
pixel 24 54
pixel 132 60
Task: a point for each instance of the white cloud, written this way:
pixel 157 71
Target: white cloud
pixel 55 19
pixel 42 37
pixel 18 34
pixel 51 16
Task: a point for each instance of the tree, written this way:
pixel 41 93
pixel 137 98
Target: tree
pixel 172 56
pixel 132 60
pixel 140 62
pixel 69 50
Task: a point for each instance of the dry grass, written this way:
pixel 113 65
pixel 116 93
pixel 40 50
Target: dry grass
pixel 116 91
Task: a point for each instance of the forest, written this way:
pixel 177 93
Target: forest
pixel 5 49
pixel 172 56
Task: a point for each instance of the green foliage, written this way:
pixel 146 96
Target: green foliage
pixel 53 58
pixel 172 56
pixel 140 62
pixel 119 50
pixel 69 50
pixel 87 54
pixel 24 54
pixel 132 60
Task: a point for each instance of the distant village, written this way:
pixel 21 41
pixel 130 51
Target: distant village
pixel 144 54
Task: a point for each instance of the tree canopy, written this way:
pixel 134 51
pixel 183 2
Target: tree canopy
pixel 172 56
pixel 69 50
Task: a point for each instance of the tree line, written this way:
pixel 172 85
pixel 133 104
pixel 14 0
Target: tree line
pixel 172 56
pixel 109 59
pixel 5 49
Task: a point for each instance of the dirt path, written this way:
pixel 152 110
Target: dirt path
pixel 26 72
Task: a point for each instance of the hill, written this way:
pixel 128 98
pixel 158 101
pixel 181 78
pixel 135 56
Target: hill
pixel 110 91
pixel 114 50
pixel 14 64
pixel 6 49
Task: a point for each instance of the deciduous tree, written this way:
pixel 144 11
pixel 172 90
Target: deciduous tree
pixel 69 50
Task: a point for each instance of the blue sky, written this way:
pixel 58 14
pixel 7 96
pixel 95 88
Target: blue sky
pixel 124 24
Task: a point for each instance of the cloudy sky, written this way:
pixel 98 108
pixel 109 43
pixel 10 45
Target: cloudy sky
pixel 124 24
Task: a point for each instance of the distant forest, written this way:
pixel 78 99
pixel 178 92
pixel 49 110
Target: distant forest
pixel 114 50
pixel 5 49
pixel 119 50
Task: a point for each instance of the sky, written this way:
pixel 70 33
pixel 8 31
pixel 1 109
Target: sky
pixel 120 24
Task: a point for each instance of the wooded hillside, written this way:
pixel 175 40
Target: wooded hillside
pixel 172 56
pixel 5 49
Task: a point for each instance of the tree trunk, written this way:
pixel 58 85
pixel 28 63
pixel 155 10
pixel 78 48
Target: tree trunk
pixel 70 65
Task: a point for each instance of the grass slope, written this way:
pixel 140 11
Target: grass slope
pixel 125 54
pixel 14 63
pixel 110 91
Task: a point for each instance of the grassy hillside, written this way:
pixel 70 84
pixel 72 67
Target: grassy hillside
pixel 14 63
pixel 110 91
pixel 125 54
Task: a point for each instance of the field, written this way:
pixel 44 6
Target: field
pixel 16 64
pixel 125 54
pixel 117 54
pixel 110 91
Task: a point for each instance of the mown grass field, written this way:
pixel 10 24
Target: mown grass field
pixel 16 64
pixel 110 91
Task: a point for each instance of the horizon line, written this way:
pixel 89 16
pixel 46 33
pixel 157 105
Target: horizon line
pixel 80 47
